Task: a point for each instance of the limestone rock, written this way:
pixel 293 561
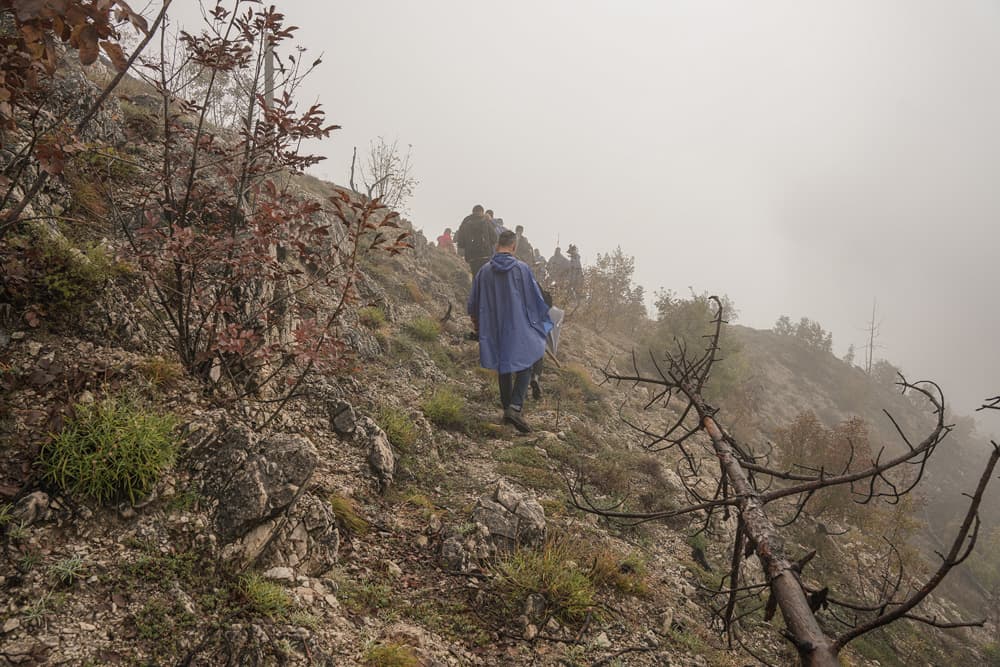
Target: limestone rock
pixel 381 456
pixel 254 482
pixel 508 518
pixel 534 607
pixel 342 416
pixel 454 557
pixel 32 508
pixel 307 540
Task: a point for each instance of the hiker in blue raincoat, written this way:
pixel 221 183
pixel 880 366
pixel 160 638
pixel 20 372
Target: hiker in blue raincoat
pixel 512 321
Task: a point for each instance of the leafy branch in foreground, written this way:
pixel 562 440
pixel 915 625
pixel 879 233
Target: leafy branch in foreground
pixel 247 277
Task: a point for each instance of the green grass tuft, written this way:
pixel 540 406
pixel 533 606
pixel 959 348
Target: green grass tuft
pixel 371 317
pixel 68 570
pixel 390 655
pixel 398 427
pixel 347 515
pixel 263 597
pixel 446 409
pixel 110 451
pixel 424 328
pixel 552 572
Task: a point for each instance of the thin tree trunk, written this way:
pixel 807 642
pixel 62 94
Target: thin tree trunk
pixel 815 648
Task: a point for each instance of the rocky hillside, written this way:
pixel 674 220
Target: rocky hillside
pixel 389 517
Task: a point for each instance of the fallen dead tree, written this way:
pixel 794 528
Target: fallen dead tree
pixel 747 484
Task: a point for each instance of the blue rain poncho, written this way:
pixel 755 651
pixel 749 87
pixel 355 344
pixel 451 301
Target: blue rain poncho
pixel 513 319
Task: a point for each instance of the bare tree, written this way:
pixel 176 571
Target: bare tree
pixel 387 174
pixel 872 330
pixel 747 483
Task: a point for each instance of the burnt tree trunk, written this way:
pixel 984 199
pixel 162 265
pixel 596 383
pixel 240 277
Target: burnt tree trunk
pixel 815 648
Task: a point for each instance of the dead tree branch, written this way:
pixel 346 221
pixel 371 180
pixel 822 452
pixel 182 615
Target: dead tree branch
pixel 748 483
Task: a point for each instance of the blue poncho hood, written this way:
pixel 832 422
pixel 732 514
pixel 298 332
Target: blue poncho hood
pixel 513 318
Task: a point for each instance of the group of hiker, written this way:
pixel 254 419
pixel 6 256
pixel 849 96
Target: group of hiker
pixel 512 315
pixel 476 241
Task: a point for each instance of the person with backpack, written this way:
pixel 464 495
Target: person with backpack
pixel 558 267
pixel 511 320
pixel 476 238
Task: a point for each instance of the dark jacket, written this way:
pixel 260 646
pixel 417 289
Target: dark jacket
pixel 476 238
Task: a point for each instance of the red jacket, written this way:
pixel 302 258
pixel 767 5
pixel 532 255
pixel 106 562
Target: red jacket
pixel 444 241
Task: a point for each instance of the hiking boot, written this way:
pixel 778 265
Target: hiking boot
pixel 536 389
pixel 514 417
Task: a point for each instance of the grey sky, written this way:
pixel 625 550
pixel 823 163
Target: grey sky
pixel 802 157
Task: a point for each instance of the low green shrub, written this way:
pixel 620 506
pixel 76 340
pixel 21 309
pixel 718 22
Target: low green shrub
pixel 424 328
pixel 73 276
pixel 365 596
pixel 626 573
pixel 110 451
pixel 371 317
pixel 446 409
pixel 161 373
pixel 578 379
pixel 398 427
pixel 390 655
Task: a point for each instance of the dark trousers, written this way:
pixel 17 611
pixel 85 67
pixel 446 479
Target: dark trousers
pixel 514 387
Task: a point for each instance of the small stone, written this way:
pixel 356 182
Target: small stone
pixel 307 595
pixel 34 347
pixel 530 632
pixel 18 335
pixel 393 569
pixel 422 541
pixel 87 627
pixel 534 606
pixel 280 574
pixel 10 625
pixel 342 416
pixel 32 508
pixel 666 622
pixel 332 600
pixel 602 641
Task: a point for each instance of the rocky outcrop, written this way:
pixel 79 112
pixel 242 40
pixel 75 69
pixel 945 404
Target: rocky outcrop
pixel 504 519
pixel 308 539
pixel 255 484
pixel 508 518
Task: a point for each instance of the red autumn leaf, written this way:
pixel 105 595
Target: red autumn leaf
pixel 51 159
pixel 87 40
pixel 116 55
